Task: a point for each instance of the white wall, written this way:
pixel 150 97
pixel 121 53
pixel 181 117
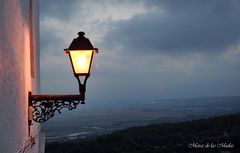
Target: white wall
pixel 18 56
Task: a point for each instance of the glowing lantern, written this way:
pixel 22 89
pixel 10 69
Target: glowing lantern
pixel 81 54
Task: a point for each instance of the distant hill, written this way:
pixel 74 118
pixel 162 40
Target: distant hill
pixel 103 118
pixel 213 135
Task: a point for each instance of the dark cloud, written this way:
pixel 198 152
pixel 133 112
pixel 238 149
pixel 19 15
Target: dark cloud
pixel 57 8
pixel 49 38
pixel 60 9
pixel 179 26
pixel 172 27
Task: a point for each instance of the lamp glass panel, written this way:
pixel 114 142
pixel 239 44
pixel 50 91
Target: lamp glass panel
pixel 81 60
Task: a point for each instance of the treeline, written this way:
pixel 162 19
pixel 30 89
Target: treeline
pixel 214 135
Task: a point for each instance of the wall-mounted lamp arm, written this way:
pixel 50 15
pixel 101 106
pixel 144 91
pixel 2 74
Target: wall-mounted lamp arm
pixel 45 106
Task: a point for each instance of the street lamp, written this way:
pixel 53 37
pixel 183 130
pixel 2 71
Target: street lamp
pixel 43 107
pixel 81 54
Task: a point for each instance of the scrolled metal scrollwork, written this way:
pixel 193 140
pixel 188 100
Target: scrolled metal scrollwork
pixel 44 107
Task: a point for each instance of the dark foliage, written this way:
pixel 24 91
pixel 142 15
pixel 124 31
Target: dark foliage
pixel 162 138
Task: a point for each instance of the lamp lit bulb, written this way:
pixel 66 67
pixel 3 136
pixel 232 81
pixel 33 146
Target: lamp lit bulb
pixel 81 61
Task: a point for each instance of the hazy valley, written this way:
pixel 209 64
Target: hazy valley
pixel 90 120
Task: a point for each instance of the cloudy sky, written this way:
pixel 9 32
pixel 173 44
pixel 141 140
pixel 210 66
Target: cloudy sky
pixel 149 49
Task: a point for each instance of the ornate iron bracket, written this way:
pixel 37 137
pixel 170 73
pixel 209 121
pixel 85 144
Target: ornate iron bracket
pixel 44 106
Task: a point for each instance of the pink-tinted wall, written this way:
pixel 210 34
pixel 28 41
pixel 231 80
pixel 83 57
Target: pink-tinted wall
pixel 19 71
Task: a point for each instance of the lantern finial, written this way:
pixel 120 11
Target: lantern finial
pixel 81 33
